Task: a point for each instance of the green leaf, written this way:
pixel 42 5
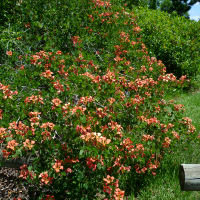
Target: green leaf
pixel 83 119
pixel 81 152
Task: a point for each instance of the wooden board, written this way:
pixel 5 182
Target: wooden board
pixel 189 177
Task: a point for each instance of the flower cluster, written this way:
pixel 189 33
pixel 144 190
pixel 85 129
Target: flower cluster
pixel 111 186
pixel 58 166
pixel 7 92
pixel 95 138
pixel 45 179
pixel 34 99
pixel 25 173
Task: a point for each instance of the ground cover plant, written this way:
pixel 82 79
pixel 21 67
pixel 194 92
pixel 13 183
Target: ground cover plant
pixel 93 118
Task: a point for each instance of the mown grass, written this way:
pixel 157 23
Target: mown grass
pixel 165 185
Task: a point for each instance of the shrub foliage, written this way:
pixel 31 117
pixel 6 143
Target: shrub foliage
pixel 173 39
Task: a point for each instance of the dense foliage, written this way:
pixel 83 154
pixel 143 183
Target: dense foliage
pixel 81 95
pixel 175 40
pixel 42 24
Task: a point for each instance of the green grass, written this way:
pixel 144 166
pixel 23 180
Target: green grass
pixel 192 105
pixel 165 186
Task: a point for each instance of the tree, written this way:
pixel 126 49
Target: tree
pixel 166 5
pixel 153 4
pixel 181 7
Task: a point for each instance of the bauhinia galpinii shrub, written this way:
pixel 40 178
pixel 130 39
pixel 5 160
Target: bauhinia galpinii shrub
pixel 94 118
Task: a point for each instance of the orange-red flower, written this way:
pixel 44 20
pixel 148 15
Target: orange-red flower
pixel 25 173
pixel 166 143
pixel 2 132
pixel 12 144
pixel 59 52
pixel 109 179
pixel 119 194
pixel 9 53
pixel 47 74
pixel 56 102
pixel 45 178
pixel 75 40
pixel 68 170
pixel 58 166
pixel 47 124
pixel 29 144
pixel 5 153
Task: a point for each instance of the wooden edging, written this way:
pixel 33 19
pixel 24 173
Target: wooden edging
pixel 15 163
pixel 189 177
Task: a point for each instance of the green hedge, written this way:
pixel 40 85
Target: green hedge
pixel 173 39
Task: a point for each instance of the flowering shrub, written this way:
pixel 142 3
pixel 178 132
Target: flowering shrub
pixel 93 116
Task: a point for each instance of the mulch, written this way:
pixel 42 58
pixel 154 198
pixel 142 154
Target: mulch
pixel 11 187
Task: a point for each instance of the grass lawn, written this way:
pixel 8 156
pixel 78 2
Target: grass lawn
pixel 165 185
